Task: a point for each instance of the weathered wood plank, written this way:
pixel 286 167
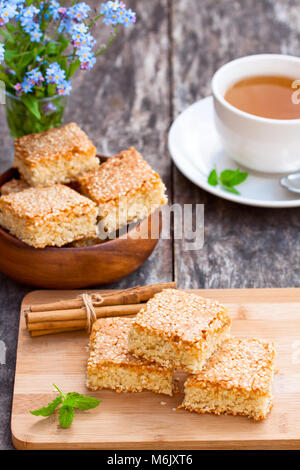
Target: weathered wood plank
pixel 244 246
pixel 123 101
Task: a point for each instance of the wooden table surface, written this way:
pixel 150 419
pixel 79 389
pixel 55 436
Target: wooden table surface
pixel 154 71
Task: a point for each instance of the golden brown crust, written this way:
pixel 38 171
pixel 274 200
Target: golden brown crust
pixel 182 317
pixel 63 141
pixel 218 413
pixel 46 203
pixel 131 389
pixel 13 186
pixel 109 346
pixel 121 175
pixel 240 364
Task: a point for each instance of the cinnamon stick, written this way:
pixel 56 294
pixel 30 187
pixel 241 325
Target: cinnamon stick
pixel 133 295
pixel 73 315
pixel 51 332
pixel 75 318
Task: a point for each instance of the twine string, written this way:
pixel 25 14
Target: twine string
pixel 88 306
pixel 97 299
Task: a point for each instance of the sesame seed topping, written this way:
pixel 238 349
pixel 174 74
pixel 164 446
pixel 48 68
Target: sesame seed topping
pixel 108 343
pixel 240 363
pixel 181 315
pixel 44 203
pixel 68 139
pixel 118 176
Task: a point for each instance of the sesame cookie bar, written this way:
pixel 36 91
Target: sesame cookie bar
pixel 56 156
pixel 111 366
pixel 125 188
pixel 178 329
pixel 237 379
pixel 45 216
pixel 13 186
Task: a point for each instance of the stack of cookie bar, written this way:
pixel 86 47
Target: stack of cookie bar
pixel 181 330
pixel 64 192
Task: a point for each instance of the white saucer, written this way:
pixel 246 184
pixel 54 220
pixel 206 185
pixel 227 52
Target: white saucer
pixel 196 149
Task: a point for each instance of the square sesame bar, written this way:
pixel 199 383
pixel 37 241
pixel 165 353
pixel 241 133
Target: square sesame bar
pixel 178 329
pixel 13 186
pixel 44 216
pixel 237 379
pixel 111 366
pixel 58 155
pixel 125 188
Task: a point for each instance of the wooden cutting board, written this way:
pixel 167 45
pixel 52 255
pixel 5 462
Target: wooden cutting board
pixel 147 420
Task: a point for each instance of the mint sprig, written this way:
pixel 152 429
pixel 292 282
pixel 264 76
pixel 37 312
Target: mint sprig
pixel 66 416
pixel 227 179
pixel 69 402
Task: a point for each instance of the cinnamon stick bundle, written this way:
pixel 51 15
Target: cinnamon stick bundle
pixel 75 317
pixel 134 295
pixel 72 315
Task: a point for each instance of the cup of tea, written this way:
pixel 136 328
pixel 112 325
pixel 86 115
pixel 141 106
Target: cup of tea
pixel 257 111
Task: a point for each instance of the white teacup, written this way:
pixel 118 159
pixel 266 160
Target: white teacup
pixel 262 144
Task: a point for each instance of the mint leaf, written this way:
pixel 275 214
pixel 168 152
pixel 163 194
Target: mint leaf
pixel 230 189
pixel 66 416
pixel 49 409
pixel 232 177
pixel 228 179
pixel 69 402
pixel 239 177
pixel 80 401
pixel 213 178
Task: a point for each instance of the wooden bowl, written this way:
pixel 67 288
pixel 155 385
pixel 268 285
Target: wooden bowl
pixel 71 268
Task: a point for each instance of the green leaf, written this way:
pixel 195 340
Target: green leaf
pixel 51 90
pixel 62 61
pixel 64 42
pixel 233 177
pixel 239 177
pixel 11 28
pixel 73 67
pixel 4 78
pixel 51 48
pixel 32 105
pixel 74 395
pixel 49 409
pixel 10 55
pixel 6 35
pixel 39 50
pixel 27 58
pixel 10 46
pixel 230 189
pixel 80 401
pixel 69 402
pixel 66 416
pixel 213 178
pixel 226 177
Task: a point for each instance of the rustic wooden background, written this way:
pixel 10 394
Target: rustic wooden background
pixel 154 71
